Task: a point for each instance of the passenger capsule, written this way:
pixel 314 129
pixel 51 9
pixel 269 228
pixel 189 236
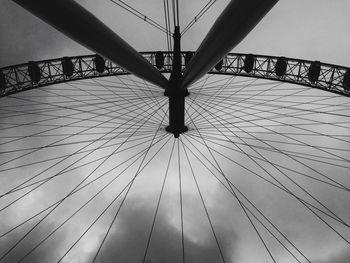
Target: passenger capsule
pixel 100 64
pixel 67 66
pixel 159 60
pixel 188 57
pixel 34 71
pixel 2 81
pixel 249 63
pixel 314 71
pixel 346 81
pixel 281 66
pixel 219 65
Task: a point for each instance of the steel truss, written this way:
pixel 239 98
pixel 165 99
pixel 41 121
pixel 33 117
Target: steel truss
pixel 328 77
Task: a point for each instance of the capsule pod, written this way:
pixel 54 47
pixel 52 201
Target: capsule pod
pixel 346 80
pixel 314 71
pixel 2 81
pixel 281 66
pixel 67 66
pixel 249 63
pixel 100 64
pixel 159 60
pixel 219 65
pixel 34 71
pixel 188 57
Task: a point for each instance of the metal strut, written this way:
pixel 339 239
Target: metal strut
pixel 176 94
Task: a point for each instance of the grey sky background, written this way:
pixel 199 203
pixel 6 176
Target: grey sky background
pixel 307 29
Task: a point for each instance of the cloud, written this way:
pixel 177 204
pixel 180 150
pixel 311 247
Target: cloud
pixel 342 257
pixel 128 238
pixel 24 37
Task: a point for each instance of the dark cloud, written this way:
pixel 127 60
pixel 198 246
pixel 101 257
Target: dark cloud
pixel 130 234
pixel 24 37
pixel 128 237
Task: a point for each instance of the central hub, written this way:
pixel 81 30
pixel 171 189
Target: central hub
pixel 175 92
pixel 176 111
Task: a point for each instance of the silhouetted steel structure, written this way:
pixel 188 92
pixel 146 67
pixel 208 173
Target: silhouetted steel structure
pixel 332 78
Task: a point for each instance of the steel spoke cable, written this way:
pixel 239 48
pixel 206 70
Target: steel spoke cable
pixel 157 102
pixel 215 86
pixel 158 203
pixel 83 111
pixel 222 101
pixel 279 170
pixel 158 117
pixel 73 143
pixel 237 198
pixel 67 196
pixel 222 87
pixel 209 100
pixel 76 191
pixel 254 206
pixel 303 155
pixel 59 157
pixel 68 170
pixel 249 210
pixel 298 141
pixel 180 199
pixel 60 140
pixel 281 107
pixel 86 203
pixel 24 185
pixel 116 94
pixel 147 104
pixel 113 81
pixel 198 16
pixel 61 126
pixel 203 203
pixel 295 139
pixel 280 115
pixel 208 128
pixel 167 25
pixel 263 178
pixel 140 15
pixel 139 170
pixel 199 82
pixel 110 83
pixel 71 114
pixel 201 87
pixel 213 139
pixel 44 111
pixel 67 167
pixel 315 199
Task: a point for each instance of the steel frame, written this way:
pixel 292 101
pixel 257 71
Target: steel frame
pixel 16 78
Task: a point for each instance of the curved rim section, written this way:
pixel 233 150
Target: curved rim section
pixel 329 77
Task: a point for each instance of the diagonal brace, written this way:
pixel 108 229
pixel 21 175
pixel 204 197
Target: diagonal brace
pixel 80 25
pixel 232 26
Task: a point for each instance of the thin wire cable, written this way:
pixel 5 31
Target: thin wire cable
pixel 181 206
pixel 140 15
pixel 158 203
pixel 198 16
pixel 203 203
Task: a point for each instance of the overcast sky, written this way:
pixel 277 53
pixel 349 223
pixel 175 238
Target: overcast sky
pixel 306 29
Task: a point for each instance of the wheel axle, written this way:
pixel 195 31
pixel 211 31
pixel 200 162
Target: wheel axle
pixel 176 111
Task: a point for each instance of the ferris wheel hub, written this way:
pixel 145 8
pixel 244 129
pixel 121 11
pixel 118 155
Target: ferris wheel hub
pixel 176 111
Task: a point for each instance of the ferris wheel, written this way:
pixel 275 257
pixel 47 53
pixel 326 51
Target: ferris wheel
pixel 172 156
